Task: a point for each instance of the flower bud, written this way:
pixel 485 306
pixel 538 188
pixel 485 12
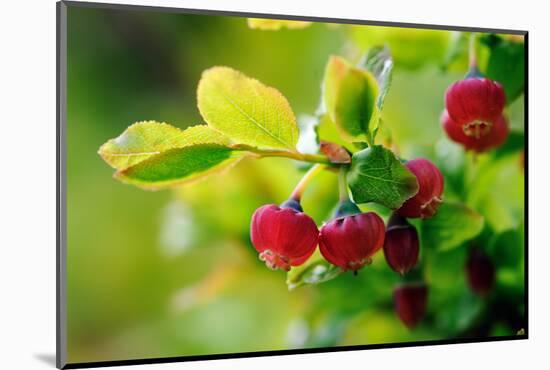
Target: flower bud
pixel 474 104
pixel 480 272
pixel 284 236
pixel 349 242
pixel 410 302
pixel 401 246
pixel 430 189
pixel 493 139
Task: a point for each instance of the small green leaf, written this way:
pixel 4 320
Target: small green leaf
pixel 452 225
pixel 142 140
pixel 379 62
pixel 245 110
pixel 506 64
pixel 355 112
pixel 316 270
pixel 349 96
pixel 276 24
pixel 178 166
pixel 376 175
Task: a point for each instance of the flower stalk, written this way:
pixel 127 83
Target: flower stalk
pixel 306 179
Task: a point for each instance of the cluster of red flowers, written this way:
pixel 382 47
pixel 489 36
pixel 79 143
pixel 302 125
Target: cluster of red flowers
pixel 285 236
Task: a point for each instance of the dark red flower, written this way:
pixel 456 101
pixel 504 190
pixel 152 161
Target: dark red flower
pixel 401 246
pixel 410 302
pixel 349 242
pixel 480 272
pixel 474 104
pixel 430 189
pixel 284 236
pixel 497 136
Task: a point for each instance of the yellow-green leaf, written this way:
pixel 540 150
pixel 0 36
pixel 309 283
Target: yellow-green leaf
pixel 179 166
pixel 245 110
pixel 276 24
pixel 143 140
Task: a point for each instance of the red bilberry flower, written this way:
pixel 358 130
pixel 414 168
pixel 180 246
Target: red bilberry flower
pixel 410 302
pixel 497 136
pixel 480 272
pixel 284 236
pixel 401 246
pixel 349 242
pixel 474 104
pixel 430 189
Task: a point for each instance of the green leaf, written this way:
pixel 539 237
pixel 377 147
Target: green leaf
pixel 350 96
pixel 376 175
pixel 276 24
pixel 178 166
pixel 506 64
pixel 245 110
pixel 379 62
pixel 316 270
pixel 355 111
pixel 142 140
pixel 452 225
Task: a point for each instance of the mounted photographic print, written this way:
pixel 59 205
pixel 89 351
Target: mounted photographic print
pixel 236 185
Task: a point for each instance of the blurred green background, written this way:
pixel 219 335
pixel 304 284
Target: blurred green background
pixel 156 274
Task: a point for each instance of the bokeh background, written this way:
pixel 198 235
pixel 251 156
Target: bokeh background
pixel 173 273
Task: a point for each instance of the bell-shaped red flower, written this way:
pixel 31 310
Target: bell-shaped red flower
pixel 480 272
pixel 410 302
pixel 430 189
pixel 350 241
pixel 401 246
pixel 496 137
pixel 474 104
pixel 284 236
